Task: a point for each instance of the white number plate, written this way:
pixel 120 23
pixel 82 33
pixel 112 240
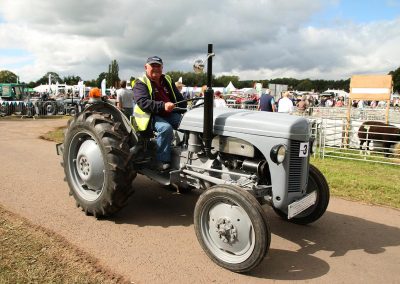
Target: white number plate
pixel 304 148
pixel 299 206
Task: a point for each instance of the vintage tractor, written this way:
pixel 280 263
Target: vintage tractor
pixel 14 99
pixel 240 158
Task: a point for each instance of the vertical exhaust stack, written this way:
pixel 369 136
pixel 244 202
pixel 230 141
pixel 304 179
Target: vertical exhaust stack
pixel 208 106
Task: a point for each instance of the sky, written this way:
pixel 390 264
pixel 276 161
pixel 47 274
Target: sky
pixel 253 39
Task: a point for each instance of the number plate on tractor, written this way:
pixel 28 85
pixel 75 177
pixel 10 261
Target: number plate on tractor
pixel 300 205
pixel 304 148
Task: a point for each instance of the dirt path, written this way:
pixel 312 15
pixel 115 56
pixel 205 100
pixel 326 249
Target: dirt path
pixel 152 240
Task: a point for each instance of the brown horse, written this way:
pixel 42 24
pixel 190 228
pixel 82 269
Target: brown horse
pixel 386 134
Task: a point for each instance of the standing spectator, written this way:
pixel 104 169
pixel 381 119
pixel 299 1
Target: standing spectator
pixel 125 99
pixel 381 104
pixel 323 101
pixel 360 104
pixel 285 104
pixel 339 103
pixel 219 101
pixel 329 102
pixel 266 102
pixel 301 105
pixel 201 95
pixel 179 86
pixel 396 102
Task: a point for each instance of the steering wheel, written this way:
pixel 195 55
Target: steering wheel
pixel 182 110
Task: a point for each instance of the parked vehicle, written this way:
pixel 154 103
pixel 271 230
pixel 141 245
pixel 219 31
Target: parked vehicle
pixel 14 99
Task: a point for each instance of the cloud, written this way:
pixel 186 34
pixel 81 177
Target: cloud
pixel 261 40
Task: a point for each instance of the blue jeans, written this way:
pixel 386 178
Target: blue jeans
pixel 164 127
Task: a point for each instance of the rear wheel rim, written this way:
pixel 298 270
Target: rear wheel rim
pixel 86 166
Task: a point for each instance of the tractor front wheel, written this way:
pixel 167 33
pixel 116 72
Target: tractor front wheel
pixel 317 183
pixel 232 228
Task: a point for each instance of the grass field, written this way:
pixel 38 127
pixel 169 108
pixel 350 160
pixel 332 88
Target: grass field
pixel 362 181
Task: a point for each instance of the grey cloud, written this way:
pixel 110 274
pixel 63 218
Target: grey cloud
pixel 250 37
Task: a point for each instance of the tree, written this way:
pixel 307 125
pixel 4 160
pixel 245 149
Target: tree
pixel 396 79
pixel 31 84
pixel 102 75
pixel 91 83
pixel 224 80
pixel 305 85
pixel 71 80
pixel 8 77
pixel 112 76
pixel 45 79
pixel 189 78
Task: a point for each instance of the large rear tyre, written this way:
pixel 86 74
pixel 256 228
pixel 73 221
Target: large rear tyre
pixel 96 153
pixel 231 228
pixel 318 183
pixel 50 108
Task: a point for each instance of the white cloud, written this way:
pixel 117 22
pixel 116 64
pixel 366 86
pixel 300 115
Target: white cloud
pixel 261 40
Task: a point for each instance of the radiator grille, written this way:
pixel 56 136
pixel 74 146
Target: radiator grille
pixel 295 167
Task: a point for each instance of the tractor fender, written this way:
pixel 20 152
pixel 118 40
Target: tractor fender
pixel 117 115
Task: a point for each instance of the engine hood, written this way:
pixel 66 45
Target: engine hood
pixel 259 123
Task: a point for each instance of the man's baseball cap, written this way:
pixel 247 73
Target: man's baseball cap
pixel 154 60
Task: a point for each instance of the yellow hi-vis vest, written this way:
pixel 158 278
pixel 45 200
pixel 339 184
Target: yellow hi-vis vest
pixel 143 118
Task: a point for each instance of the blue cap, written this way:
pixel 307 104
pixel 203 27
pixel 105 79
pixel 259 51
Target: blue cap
pixel 154 60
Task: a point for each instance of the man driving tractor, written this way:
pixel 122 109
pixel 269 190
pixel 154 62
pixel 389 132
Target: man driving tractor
pixel 155 95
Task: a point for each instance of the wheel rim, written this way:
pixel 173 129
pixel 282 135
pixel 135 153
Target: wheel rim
pixel 49 109
pixel 227 230
pixel 86 166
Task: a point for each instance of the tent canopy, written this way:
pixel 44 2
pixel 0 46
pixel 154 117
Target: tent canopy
pixel 230 87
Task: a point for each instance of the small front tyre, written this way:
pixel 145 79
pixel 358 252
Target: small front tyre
pixel 231 227
pixel 318 183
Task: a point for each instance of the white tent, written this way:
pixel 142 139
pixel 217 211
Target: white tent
pixel 41 88
pixel 230 87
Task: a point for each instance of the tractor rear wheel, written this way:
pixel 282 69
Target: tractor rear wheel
pixel 96 154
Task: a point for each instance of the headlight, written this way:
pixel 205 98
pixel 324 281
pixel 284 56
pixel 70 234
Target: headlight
pixel 278 153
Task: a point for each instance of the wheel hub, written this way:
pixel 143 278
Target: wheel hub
pixel 90 165
pixel 84 166
pixel 226 231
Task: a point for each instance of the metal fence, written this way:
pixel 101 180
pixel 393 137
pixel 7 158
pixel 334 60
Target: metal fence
pixel 337 138
pixel 376 114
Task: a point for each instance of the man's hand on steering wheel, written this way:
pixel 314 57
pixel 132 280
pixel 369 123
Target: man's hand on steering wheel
pixel 169 106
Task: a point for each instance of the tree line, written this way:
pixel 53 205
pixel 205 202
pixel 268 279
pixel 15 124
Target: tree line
pixel 193 79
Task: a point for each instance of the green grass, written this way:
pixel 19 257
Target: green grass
pixel 31 254
pixel 55 135
pixel 362 181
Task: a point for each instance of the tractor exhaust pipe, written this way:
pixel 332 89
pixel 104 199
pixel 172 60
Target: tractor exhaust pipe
pixel 208 107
